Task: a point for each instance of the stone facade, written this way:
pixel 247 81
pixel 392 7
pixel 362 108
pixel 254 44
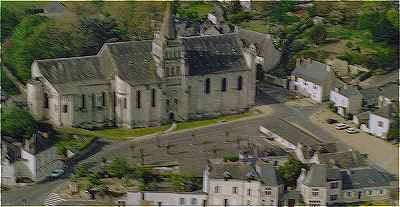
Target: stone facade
pixel 146 83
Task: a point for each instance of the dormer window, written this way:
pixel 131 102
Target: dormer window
pixel 227 175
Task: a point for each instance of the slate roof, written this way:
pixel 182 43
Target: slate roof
pixel 213 54
pixel 370 96
pixel 264 45
pixel 309 150
pixel 346 159
pixel 236 170
pixel 387 111
pixel 364 178
pixel 317 176
pixel 133 61
pixel 269 176
pixel 364 116
pixel 390 91
pixel 61 71
pixel 289 132
pixel 315 71
pixel 241 171
pixel 350 91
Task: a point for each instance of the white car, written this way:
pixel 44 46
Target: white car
pixel 56 173
pixel 352 130
pixel 341 126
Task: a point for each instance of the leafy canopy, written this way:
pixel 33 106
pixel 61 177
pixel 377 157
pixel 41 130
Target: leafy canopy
pixel 17 123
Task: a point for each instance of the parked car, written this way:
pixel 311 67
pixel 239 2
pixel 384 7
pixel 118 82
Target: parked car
pixel 331 121
pixel 352 130
pixel 341 126
pixel 56 173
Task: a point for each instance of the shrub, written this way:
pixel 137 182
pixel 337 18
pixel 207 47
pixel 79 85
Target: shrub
pixel 290 171
pixel 118 168
pixel 17 123
pixel 232 158
pixel 94 179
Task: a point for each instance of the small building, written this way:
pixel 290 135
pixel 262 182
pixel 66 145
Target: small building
pixel 322 185
pixel 380 121
pixel 224 183
pixel 239 184
pixel 39 154
pixel 160 198
pixel 347 100
pixel 312 79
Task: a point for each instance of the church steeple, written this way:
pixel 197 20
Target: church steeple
pixel 168 30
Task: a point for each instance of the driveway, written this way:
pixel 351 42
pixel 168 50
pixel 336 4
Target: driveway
pixel 382 153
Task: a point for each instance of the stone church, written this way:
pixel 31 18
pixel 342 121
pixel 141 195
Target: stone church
pixel 146 83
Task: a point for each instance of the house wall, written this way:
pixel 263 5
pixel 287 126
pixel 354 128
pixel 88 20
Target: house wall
pixel 226 192
pixel 29 161
pixel 340 101
pixel 307 88
pixel 374 128
pixel 306 192
pixel 7 173
pixel 166 198
pixel 376 194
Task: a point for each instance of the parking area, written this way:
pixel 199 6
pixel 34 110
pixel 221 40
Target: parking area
pixel 382 153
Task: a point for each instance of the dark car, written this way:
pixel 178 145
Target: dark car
pixel 331 121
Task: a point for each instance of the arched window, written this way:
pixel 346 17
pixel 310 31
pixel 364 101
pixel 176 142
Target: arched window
pixel 223 84
pixel 46 101
pixel 138 99
pixel 240 83
pixel 83 103
pixel 103 99
pixel 207 86
pixel 153 97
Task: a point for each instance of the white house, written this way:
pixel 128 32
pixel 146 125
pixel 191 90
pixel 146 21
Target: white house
pixel 224 183
pixel 322 185
pixel 380 121
pixel 164 199
pixel 312 79
pixel 347 100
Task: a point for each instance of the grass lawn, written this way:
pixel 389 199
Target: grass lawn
pixel 123 133
pixel 255 25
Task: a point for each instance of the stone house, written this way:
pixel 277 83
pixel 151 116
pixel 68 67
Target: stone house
pixel 224 183
pixel 146 83
pixel 312 79
pixel 322 186
pixel 346 100
pixel 155 198
pixel 241 184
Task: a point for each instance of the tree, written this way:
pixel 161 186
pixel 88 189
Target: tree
pixel 17 123
pixel 290 171
pixel 118 168
pixel 8 21
pixel 95 31
pixel 317 33
pixel 21 51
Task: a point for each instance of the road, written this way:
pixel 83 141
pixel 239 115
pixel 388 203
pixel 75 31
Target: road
pixel 192 148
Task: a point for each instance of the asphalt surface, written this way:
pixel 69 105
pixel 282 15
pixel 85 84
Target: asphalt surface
pixel 190 148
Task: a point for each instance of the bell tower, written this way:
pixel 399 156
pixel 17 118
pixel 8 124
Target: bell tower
pixel 167 48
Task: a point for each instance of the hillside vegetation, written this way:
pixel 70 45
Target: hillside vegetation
pixel 362 33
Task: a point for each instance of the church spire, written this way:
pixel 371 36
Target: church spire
pixel 168 30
